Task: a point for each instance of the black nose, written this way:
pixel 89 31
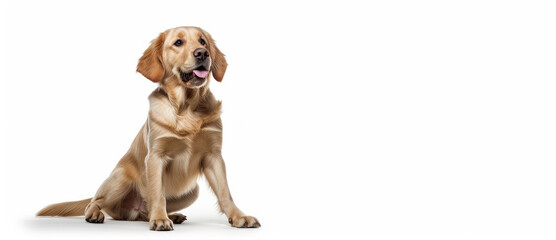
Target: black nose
pixel 200 54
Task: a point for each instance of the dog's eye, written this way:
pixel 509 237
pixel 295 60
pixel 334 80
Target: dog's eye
pixel 178 43
pixel 202 41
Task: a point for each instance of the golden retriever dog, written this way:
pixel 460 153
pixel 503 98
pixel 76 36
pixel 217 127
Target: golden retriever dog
pixel 181 139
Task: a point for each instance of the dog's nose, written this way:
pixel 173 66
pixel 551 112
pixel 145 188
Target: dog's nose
pixel 201 54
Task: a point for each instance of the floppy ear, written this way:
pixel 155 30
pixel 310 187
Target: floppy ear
pixel 219 63
pixel 150 64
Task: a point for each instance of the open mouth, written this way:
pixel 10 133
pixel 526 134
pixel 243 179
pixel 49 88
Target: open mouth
pixel 197 76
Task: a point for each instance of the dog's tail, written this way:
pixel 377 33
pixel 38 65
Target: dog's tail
pixel 76 208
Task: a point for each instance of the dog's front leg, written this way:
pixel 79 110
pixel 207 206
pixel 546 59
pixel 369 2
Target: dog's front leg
pixel 158 217
pixel 215 172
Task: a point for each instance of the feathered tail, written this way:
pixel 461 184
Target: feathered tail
pixel 76 208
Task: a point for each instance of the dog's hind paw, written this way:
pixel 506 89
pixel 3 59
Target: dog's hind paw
pixel 93 214
pixel 177 218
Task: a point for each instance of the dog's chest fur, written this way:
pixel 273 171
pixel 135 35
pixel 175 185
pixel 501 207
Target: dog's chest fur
pixel 181 115
pixel 184 132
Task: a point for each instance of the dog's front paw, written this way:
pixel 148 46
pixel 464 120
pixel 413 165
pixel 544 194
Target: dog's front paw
pixel 161 224
pixel 93 214
pixel 244 222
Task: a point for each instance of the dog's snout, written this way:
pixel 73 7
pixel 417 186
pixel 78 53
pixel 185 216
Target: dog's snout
pixel 201 54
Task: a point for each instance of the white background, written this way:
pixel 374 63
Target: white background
pixel 382 120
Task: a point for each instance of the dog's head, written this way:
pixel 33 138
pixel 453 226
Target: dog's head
pixel 188 54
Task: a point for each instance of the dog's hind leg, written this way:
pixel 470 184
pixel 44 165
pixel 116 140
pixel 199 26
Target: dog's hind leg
pixel 176 204
pixel 109 197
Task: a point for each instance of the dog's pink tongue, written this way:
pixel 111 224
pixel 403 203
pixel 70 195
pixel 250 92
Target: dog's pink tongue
pixel 201 74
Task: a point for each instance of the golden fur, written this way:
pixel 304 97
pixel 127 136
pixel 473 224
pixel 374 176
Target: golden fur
pixel 180 140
